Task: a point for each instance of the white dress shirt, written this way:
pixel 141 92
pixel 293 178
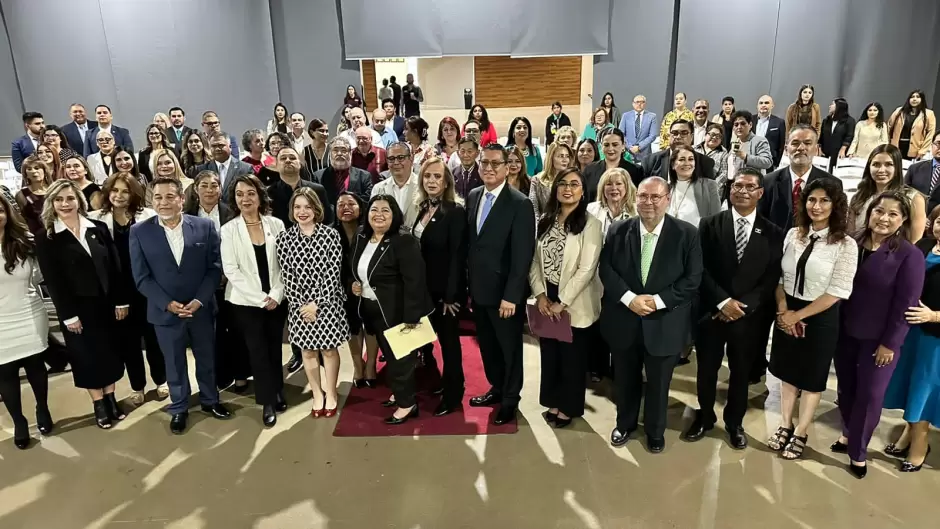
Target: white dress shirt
pixel 762 125
pixel 174 237
pixel 629 295
pixel 747 234
pixel 223 170
pixel 213 215
pixel 830 268
pixel 495 194
pixel 698 136
pixel 794 176
pixel 363 268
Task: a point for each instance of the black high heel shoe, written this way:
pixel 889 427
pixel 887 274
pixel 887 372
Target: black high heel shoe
pixel 44 421
pixel 21 434
pixel 370 383
pixel 392 420
pixel 907 466
pixel 893 451
pixel 114 410
pixel 102 415
pixel 858 471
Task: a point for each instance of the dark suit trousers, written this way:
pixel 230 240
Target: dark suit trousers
pixel 862 387
pixel 197 332
pixel 501 350
pixel 741 339
pixel 262 331
pixel 448 335
pixel 629 390
pixel 399 372
pixel 231 355
pixel 759 364
pixel 564 370
pixel 135 328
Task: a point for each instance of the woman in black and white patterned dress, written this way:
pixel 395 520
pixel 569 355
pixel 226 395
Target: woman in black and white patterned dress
pixel 310 255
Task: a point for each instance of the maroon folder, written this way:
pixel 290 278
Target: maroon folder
pixel 545 327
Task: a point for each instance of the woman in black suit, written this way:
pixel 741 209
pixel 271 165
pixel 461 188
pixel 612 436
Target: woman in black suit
pixel 156 140
pixel 81 267
pixel 389 279
pixel 442 229
pixel 838 130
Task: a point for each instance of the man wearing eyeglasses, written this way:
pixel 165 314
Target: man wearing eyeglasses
pixel 224 163
pixel 341 175
pixel 680 132
pixel 212 124
pixel 924 176
pixel 639 129
pixel 400 181
pixel 646 314
pixel 121 136
pixel 741 253
pixel 367 156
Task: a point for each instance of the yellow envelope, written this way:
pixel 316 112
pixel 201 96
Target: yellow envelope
pixel 403 341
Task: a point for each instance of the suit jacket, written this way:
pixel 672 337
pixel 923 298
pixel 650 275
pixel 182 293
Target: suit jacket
pixel 759 156
pixel 171 135
pixel 832 140
pixel 398 125
pixel 408 207
pixel 20 149
pixel 675 275
pixel 500 254
pixel 658 165
pixel 649 129
pixel 751 281
pixel 885 285
pixel 918 176
pixel 99 173
pixel 593 173
pixel 444 248
pixel 241 267
pixel 578 287
pixel 235 169
pixel 360 183
pixel 776 136
pixel 396 274
pixel 777 202
pixel 161 280
pixel 121 137
pixel 707 197
pixel 74 137
pixel 191 207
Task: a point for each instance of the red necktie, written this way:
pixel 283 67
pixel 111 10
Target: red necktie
pixel 797 191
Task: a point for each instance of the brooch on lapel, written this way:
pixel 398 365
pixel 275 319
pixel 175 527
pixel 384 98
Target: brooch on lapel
pixel 757 231
pixel 92 235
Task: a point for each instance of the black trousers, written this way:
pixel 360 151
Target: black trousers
pixel 564 370
pixel 741 339
pixel 262 331
pixel 598 352
pixel 629 390
pixel 10 384
pixel 759 362
pixel 133 329
pixel 447 328
pixel 501 350
pixel 399 372
pixel 231 355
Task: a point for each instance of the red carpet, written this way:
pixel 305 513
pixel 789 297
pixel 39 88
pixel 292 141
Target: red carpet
pixel 362 415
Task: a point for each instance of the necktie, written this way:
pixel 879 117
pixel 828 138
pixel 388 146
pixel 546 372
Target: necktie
pixel 740 238
pixel 646 255
pixel 487 206
pixel 935 179
pixel 797 191
pixel 179 135
pixel 800 277
pixel 636 125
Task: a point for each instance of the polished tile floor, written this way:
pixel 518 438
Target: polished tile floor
pixel 236 474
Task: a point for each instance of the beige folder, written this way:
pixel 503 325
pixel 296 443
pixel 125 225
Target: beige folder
pixel 403 341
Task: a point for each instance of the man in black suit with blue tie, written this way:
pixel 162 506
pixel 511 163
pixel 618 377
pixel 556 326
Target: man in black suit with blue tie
pixel 501 244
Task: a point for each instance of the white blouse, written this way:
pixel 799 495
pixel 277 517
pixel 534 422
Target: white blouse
pixel 602 214
pixel 683 205
pixel 363 268
pixel 830 269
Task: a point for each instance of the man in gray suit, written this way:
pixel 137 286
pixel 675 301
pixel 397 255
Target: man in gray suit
pixel 227 166
pixel 748 149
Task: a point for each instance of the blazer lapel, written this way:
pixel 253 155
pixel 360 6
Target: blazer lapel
pixel 756 243
pixel 660 249
pixel 189 239
pixel 472 207
pixel 503 197
pixel 377 256
pixel 244 240
pixel 634 249
pixel 99 256
pixel 726 227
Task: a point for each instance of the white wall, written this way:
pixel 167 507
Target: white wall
pixel 385 68
pixel 443 80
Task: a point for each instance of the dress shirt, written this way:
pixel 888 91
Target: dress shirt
pixel 495 193
pixel 301 142
pixel 794 176
pixel 698 136
pixel 174 237
pixel 388 136
pixel 35 142
pixel 830 269
pixel 212 215
pixel 363 268
pixel 82 130
pixel 402 193
pixel 762 125
pixel 747 234
pixel 223 170
pixel 106 129
pixel 628 297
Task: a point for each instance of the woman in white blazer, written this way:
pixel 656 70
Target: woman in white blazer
pixel 255 289
pixel 563 279
pixel 100 162
pixel 122 206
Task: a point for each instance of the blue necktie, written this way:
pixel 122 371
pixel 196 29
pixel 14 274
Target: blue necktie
pixel 487 206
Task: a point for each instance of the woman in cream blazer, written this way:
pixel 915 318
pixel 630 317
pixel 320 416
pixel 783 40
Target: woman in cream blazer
pixel 563 278
pixel 923 130
pixel 255 289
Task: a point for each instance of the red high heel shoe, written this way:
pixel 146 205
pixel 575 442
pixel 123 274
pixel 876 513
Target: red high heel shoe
pixel 316 414
pixel 329 412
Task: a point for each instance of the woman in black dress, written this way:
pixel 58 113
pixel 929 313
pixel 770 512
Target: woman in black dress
pixel 82 271
pixel 76 170
pixel 442 229
pixel 156 140
pixel 37 177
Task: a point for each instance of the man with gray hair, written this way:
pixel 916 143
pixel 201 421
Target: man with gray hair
pixel 380 125
pixel 647 316
pixel 357 118
pixel 341 175
pixel 368 157
pixel 400 181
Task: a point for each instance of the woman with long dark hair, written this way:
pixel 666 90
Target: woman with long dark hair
pixel 588 153
pixel 156 140
pixel 561 276
pixel 804 110
pixel 124 161
pixel 912 126
pixel 520 136
pixel 416 134
pixel 870 131
pixel 55 138
pixel 818 267
pixel 693 198
pixel 352 98
pixel 613 113
pixel 838 130
pixel 888 280
pixel 517 178
pixel 195 151
pixel 883 173
pixel 487 130
pixel 316 155
pixel 280 122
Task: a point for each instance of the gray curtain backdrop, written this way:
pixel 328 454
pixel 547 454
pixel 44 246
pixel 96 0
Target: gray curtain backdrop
pixel 11 103
pixel 371 30
pixel 559 27
pixel 483 30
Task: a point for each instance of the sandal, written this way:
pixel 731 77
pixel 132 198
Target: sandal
pixel 780 438
pixel 102 417
pixel 795 447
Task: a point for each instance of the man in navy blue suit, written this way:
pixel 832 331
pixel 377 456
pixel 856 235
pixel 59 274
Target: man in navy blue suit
pixel 77 130
pixel 177 266
pixel 26 144
pixel 121 136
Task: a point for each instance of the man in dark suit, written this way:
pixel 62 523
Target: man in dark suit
pixel 211 123
pixel 121 136
pixel 177 266
pixel 396 93
pixel 741 253
pixel 782 185
pixel 178 130
pixel 681 132
pixel 77 130
pixel 501 244
pixel 392 120
pixel 925 176
pixel 27 143
pixel 771 127
pixel 341 175
pixel 651 267
pixel 224 164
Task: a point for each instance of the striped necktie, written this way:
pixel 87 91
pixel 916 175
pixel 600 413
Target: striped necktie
pixel 740 238
pixel 935 179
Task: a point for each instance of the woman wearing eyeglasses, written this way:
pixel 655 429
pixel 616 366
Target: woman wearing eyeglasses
pixel 99 163
pixel 55 138
pixel 714 148
pixel 195 151
pixel 156 140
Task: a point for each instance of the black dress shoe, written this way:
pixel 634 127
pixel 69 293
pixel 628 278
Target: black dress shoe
pixel 506 414
pixel 438 391
pixel 268 416
pixel 839 447
pixel 178 423
pixel 114 410
pixel 217 410
pixel 445 408
pixel 44 421
pixel 294 364
pixel 388 403
pixel 736 437
pixel 359 383
pixel 280 404
pixel 487 399
pixel 619 438
pixel 858 471
pixel 683 361
pixel 549 417
pixel 656 445
pixel 392 420
pixel 21 437
pixel 698 429
pixel 561 423
pixel 371 383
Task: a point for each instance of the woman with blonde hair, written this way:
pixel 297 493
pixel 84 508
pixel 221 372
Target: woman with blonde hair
pixel 616 198
pixel 37 177
pixel 568 136
pixel 559 157
pixel 163 164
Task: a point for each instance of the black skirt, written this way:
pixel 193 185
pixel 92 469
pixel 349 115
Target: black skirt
pixel 805 362
pixel 96 361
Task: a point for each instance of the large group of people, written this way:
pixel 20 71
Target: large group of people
pixel 634 256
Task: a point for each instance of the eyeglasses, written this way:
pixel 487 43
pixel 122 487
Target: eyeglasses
pixel 652 199
pixel 744 188
pixel 679 133
pixel 739 124
pixel 218 146
pixel 153 133
pixel 491 164
pixel 714 135
pixel 397 159
pixel 104 140
pixel 570 185
pixel 363 140
pixel 212 123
